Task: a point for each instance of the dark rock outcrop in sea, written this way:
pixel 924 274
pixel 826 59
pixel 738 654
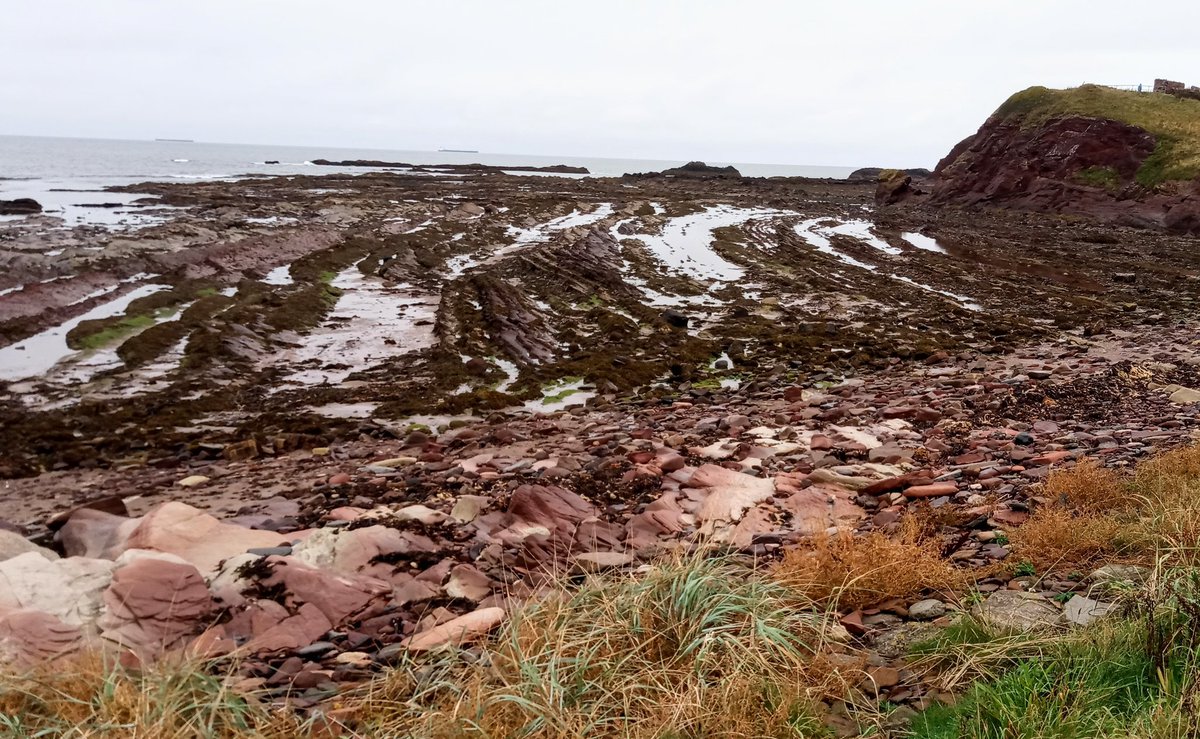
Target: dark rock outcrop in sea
pixel 872 174
pixel 20 207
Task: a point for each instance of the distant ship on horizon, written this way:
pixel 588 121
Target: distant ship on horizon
pixel 460 151
pixel 177 141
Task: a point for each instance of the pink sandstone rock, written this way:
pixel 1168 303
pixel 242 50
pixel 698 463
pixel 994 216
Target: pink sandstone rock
pixel 152 605
pixel 196 536
pixel 456 631
pixel 34 637
pixel 932 490
pixel 728 495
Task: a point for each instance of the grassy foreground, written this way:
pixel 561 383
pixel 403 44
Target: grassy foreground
pixel 1174 121
pixel 708 647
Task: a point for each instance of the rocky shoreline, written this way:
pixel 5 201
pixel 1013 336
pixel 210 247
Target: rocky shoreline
pixel 340 420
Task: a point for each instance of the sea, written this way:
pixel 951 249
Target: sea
pixel 54 171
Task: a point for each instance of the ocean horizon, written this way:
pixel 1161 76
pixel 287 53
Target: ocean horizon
pixel 124 161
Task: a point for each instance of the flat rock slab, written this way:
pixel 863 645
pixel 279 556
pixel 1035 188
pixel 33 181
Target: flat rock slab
pixel 1082 611
pixel 456 631
pixel 1014 610
pixel 1185 396
pixel 197 537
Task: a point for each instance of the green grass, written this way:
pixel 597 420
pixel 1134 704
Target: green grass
pixel 125 327
pixel 1105 177
pixel 1130 675
pixel 1103 684
pixel 1175 122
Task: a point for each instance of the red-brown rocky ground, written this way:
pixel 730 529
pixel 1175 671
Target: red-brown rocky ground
pixel 324 509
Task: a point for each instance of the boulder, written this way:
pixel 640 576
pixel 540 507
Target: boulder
pixel 13 544
pixel 1081 611
pixel 676 319
pixel 20 207
pixel 1017 611
pixel 350 551
pixel 31 637
pixel 894 186
pixel 69 589
pixel 340 597
pixel 469 583
pixel 196 536
pixel 927 610
pixel 153 604
pixel 94 533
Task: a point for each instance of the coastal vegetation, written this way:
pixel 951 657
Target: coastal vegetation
pixel 711 645
pixel 1174 121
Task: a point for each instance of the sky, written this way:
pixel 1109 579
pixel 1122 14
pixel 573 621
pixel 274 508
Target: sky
pixel 844 83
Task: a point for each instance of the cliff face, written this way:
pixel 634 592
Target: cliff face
pixel 1055 161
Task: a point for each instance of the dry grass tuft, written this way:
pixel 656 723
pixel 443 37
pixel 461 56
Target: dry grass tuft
pixel 848 571
pixel 91 696
pixel 1168 490
pixel 699 648
pixel 1096 515
pixel 1054 536
pixel 1087 488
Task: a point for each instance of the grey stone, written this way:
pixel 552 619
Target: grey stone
pixel 1082 611
pixel 13 544
pixel 316 649
pixel 1110 576
pixel 1185 396
pixel 1014 610
pixel 896 642
pixel 927 610
pixel 282 551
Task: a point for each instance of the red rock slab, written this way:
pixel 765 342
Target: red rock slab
pixel 1050 458
pixel 819 507
pixel 340 597
pixel 456 631
pixel 548 506
pixel 31 637
pixel 932 490
pixel 660 518
pixel 292 633
pixel 895 484
pixel 153 604
pixel 729 495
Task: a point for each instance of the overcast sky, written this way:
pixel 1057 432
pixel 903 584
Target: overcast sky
pixel 893 83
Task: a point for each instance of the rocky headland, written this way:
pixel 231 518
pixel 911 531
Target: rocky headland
pixel 1115 155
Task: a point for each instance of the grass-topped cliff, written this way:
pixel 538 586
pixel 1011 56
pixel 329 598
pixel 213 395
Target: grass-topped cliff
pixel 1174 122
